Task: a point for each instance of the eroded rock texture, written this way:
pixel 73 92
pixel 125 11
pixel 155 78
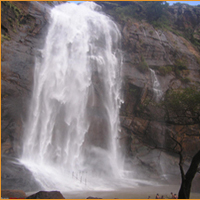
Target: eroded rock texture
pixel 23 28
pixel 175 62
pixel 173 55
pixel 46 195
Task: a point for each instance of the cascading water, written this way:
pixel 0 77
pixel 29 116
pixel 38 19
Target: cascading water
pixel 156 86
pixel 71 135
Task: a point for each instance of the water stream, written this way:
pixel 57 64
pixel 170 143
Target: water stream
pixel 156 86
pixel 71 134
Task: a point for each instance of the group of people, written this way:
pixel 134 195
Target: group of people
pixel 174 196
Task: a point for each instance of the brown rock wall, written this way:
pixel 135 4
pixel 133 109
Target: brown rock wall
pixel 23 28
pixel 144 125
pixel 13 194
pixel 24 25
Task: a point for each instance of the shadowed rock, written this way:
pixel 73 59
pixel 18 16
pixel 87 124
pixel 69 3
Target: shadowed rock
pixel 13 194
pixel 46 195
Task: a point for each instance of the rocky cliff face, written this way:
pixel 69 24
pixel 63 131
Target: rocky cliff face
pixel 23 28
pixel 148 49
pixel 156 60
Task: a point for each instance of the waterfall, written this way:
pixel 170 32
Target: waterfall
pixel 156 86
pixel 158 36
pixel 71 134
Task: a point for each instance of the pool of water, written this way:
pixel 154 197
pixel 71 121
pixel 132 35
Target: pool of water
pixel 141 192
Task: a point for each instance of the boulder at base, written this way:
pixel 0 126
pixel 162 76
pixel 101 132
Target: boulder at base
pixel 19 194
pixel 46 195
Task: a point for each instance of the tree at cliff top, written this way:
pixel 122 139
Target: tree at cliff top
pixel 181 19
pixel 155 9
pixel 154 12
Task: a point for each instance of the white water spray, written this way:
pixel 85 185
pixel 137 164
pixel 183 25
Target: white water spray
pixel 156 86
pixel 71 136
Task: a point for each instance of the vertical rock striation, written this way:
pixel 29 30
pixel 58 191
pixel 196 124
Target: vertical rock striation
pixel 174 59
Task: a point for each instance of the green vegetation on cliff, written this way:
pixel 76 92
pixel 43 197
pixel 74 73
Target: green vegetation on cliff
pixel 160 15
pixel 10 5
pixel 182 106
pixel 154 11
pixel 143 66
pixel 4 37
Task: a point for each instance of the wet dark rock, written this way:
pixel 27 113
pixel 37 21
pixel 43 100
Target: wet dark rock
pixel 140 40
pixel 25 34
pixel 46 195
pixel 15 176
pixel 19 194
pixel 24 25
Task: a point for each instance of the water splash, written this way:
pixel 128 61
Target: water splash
pixel 70 138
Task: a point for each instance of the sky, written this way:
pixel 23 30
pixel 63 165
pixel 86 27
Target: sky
pixel 193 3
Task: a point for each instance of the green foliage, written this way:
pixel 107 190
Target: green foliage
pixel 185 80
pixel 155 9
pixel 140 41
pixel 50 3
pixel 177 72
pixel 4 96
pixel 10 20
pixel 128 11
pixel 147 101
pixel 162 23
pixel 176 32
pixel 4 37
pixel 164 70
pixel 133 91
pixel 177 4
pixel 183 105
pixel 143 66
pixel 195 42
pixel 180 64
pixel 141 107
pixel 198 59
pixel 188 97
pixel 189 34
pixel 151 32
pixel 16 10
pixel 154 12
